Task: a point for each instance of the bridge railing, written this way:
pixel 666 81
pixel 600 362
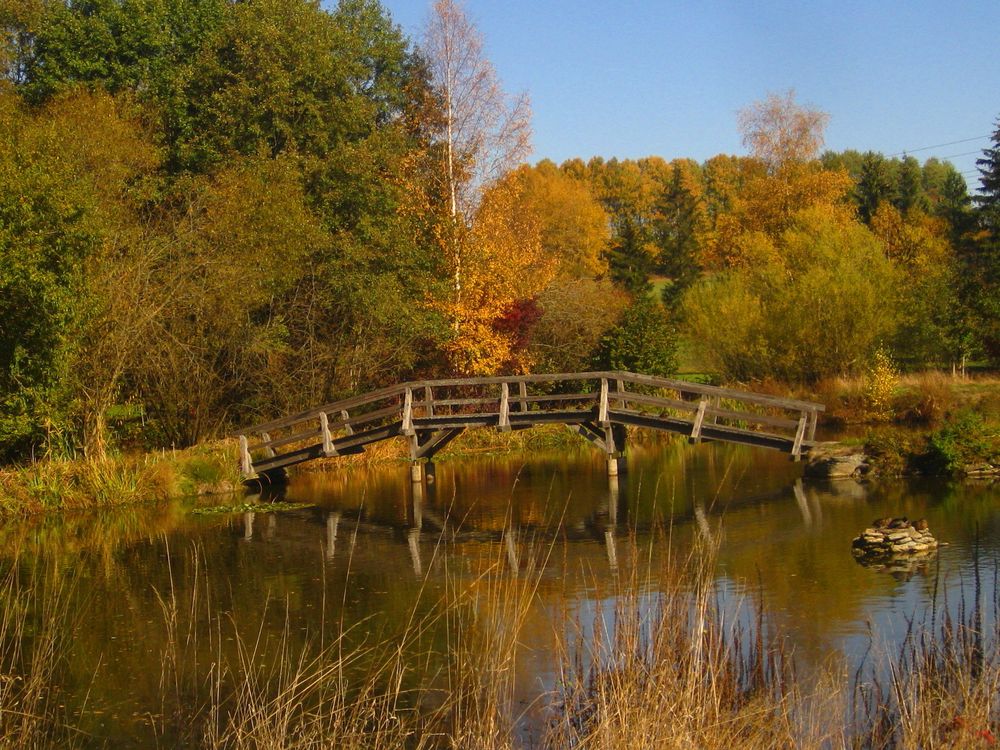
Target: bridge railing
pixel 516 402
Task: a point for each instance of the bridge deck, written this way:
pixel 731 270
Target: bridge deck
pixel 598 405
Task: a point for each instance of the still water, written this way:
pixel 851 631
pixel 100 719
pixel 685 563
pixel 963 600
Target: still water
pixel 372 549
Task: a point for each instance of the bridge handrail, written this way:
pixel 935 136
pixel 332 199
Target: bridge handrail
pixel 398 391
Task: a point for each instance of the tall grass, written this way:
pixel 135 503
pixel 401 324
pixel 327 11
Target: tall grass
pixel 34 629
pixel 942 688
pixel 664 659
pixel 674 666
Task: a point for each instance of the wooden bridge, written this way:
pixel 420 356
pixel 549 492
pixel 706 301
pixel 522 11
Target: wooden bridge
pixel 429 414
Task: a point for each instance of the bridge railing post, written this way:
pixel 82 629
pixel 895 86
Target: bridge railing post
pixel 407 427
pixel 246 464
pixel 503 423
pixel 699 419
pixel 602 411
pixel 799 437
pixel 324 426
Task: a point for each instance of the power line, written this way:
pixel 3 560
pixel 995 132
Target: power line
pixel 939 145
pixel 964 153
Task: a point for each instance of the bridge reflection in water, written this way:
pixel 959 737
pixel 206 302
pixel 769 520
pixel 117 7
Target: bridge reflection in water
pixel 426 524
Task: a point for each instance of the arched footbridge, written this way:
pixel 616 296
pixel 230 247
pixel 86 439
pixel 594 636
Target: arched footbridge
pixel 429 414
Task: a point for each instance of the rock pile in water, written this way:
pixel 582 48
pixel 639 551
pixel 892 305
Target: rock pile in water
pixel 894 536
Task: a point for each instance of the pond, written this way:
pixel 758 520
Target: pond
pixel 369 549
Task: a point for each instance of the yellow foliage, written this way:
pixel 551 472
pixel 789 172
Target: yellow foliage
pixel 573 225
pixel 881 379
pixel 499 261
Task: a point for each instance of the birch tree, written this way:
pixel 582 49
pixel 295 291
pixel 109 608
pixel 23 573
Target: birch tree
pixel 482 133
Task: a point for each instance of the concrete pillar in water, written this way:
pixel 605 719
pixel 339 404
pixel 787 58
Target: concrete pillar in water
pixel 612 466
pixel 416 471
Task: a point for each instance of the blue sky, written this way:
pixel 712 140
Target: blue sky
pixel 632 79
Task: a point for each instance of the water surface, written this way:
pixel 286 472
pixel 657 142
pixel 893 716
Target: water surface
pixel 372 549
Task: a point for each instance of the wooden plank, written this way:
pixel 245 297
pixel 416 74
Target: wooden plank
pixel 503 423
pixel 464 401
pixel 590 433
pixel 394 391
pixel 562 397
pixel 660 401
pixel 751 417
pixel 297 437
pixel 712 390
pixel 438 442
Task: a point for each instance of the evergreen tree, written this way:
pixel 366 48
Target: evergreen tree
pixel 875 185
pixel 987 269
pixel 988 200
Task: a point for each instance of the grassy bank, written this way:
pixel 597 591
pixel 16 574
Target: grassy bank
pixel 119 480
pixel 878 398
pixel 670 670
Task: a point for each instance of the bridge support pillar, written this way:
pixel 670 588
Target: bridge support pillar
pixel 612 466
pixel 416 472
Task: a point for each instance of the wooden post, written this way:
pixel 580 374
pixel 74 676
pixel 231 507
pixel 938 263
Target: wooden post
pixel 344 416
pixel 503 423
pixel 699 418
pixel 799 435
pixel 602 414
pixel 407 428
pixel 813 420
pixel 522 389
pixel 429 400
pixel 246 464
pixel 620 387
pixel 268 451
pixel 324 425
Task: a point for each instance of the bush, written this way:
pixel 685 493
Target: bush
pixel 643 341
pixel 964 441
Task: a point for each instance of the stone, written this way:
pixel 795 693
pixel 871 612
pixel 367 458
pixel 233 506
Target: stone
pixel 834 461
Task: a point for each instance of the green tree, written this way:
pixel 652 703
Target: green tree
pixel 644 340
pixel 70 184
pixel 986 263
pixel 680 225
pixel 874 185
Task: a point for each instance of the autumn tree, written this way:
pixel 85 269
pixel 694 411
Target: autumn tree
pixel 503 265
pixel 573 225
pixel 781 132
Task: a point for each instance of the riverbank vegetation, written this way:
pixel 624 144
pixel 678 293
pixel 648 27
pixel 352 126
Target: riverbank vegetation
pixel 666 661
pixel 212 214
